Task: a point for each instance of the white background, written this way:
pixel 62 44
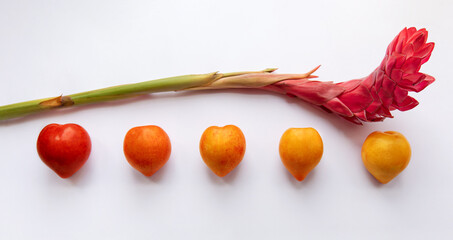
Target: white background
pixel 48 48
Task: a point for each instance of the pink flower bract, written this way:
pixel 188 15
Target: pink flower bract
pixel 371 98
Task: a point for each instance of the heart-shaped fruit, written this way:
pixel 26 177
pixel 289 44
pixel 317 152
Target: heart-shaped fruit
pixel 147 148
pixel 222 148
pixel 64 148
pixel 386 154
pixel 300 151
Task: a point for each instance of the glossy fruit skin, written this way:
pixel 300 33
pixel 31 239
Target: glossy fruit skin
pixel 222 148
pixel 64 148
pixel 300 150
pixel 386 154
pixel 147 148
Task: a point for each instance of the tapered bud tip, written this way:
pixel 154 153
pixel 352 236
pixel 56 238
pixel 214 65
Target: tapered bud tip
pixel 299 178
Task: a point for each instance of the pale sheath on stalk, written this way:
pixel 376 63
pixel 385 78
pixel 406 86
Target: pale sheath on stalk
pixel 368 99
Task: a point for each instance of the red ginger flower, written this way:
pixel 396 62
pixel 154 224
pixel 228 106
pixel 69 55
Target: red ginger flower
pixel 371 98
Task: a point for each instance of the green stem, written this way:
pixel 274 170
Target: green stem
pixel 107 94
pixel 114 93
pixel 135 89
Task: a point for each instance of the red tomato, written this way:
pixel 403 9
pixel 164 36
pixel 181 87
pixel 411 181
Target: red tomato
pixel 64 148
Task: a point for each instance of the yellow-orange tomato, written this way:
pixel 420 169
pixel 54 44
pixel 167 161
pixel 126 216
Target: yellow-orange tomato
pixel 222 148
pixel 147 148
pixel 386 154
pixel 300 150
